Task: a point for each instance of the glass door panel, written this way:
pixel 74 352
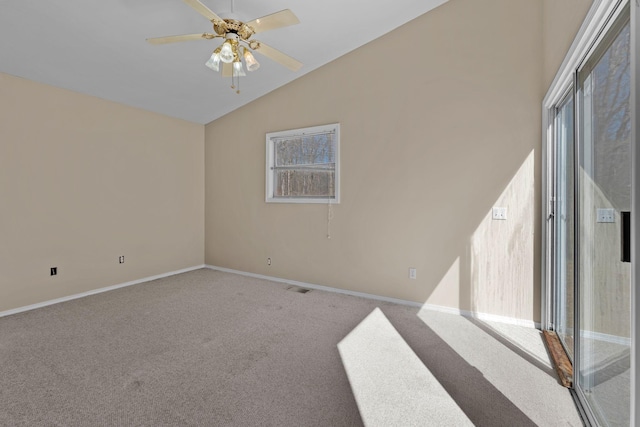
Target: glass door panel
pixel 604 192
pixel 564 224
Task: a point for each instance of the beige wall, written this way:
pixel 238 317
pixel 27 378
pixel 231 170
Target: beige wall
pixel 429 146
pixel 83 181
pixel 561 21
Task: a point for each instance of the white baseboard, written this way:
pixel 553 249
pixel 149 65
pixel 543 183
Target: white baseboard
pixel 312 286
pixel 97 291
pixel 432 307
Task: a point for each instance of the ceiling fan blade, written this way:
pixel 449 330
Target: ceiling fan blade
pixel 203 10
pixel 278 56
pixel 227 69
pixel 284 18
pixel 181 38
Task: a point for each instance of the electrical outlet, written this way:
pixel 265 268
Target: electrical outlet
pixel 412 273
pixel 121 259
pixel 605 215
pixel 499 213
pixel 54 271
pixel 268 261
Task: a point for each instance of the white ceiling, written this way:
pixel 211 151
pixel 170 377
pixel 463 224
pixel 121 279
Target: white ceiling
pixel 98 47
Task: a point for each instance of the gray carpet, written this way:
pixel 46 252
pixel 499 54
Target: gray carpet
pixel 207 348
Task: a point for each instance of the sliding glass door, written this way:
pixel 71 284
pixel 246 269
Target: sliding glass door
pixel 603 197
pixel 590 168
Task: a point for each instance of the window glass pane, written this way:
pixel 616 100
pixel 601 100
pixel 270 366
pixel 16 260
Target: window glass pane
pixel 304 183
pixel 604 178
pixel 306 150
pixel 564 222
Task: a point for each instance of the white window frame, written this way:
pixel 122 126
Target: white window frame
pixel 271 137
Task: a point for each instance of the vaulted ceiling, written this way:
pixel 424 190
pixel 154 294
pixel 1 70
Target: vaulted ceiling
pixel 98 47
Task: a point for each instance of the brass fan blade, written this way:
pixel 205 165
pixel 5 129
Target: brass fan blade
pixel 181 38
pixel 278 56
pixel 203 10
pixel 227 69
pixel 284 18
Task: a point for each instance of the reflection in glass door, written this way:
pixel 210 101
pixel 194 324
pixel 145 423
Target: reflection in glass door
pixel 564 224
pixel 603 195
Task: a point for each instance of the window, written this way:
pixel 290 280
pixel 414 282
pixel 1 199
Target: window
pixel 303 165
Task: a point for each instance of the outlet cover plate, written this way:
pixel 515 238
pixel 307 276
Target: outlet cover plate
pixel 606 215
pixel 499 213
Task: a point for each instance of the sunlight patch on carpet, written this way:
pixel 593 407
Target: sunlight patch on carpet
pixel 390 383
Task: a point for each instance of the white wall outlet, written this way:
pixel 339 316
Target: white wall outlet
pixel 268 261
pixel 606 215
pixel 412 273
pixel 499 213
pixel 121 259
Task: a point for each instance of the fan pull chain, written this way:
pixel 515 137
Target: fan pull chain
pixel 233 85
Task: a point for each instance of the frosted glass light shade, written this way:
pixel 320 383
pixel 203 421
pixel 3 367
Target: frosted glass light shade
pixel 238 70
pixel 214 62
pixel 251 62
pixel 226 53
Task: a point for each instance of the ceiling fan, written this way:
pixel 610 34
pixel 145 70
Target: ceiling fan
pixel 237 44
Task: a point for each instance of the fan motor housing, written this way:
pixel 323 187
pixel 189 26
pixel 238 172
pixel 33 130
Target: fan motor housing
pixel 243 30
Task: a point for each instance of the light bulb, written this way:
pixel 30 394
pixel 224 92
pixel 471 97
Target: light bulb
pixel 238 71
pixel 226 53
pixel 251 62
pixel 214 62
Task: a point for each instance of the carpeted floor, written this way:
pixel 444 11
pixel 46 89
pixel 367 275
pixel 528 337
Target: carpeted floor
pixel 208 348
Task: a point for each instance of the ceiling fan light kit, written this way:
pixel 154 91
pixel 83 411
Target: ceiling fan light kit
pixel 237 45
